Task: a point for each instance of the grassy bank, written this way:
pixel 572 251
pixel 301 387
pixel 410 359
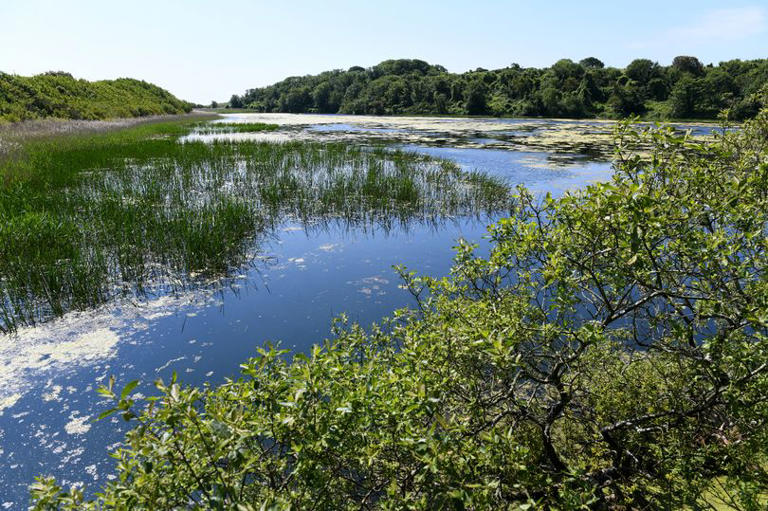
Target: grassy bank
pixel 59 95
pixel 85 218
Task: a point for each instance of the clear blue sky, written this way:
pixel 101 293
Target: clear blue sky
pixel 202 51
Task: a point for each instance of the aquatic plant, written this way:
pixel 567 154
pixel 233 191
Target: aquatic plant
pixel 233 127
pixel 85 219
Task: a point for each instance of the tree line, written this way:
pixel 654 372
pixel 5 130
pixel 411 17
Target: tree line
pixel 685 89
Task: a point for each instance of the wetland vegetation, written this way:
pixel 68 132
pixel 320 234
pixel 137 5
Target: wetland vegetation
pixel 234 127
pixel 88 218
pixel 686 89
pixel 539 284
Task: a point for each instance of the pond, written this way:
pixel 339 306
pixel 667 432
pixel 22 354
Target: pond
pixel 288 283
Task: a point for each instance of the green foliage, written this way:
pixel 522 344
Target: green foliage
pixel 684 96
pixel 592 62
pixel 475 98
pixel 234 127
pixel 58 94
pixel 235 102
pixel 566 89
pixel 642 70
pixel 611 352
pixel 688 64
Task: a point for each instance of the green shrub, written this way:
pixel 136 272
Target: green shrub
pixel 58 94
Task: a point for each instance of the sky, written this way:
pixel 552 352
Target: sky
pixel 208 50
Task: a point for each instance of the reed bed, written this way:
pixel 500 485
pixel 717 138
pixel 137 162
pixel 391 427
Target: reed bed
pixel 85 219
pixel 233 127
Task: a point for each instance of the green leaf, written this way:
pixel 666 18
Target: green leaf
pixel 105 414
pixel 128 388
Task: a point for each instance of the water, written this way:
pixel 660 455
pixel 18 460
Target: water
pixel 299 282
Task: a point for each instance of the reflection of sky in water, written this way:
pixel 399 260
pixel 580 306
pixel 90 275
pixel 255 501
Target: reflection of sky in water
pixel 313 277
pixel 541 172
pixel 487 141
pixel 303 281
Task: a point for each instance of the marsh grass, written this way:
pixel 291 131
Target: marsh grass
pixel 88 218
pixel 233 127
pixel 246 126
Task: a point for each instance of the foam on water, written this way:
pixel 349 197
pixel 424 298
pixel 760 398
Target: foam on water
pixel 78 339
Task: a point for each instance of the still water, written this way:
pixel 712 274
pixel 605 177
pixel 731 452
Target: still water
pixel 289 293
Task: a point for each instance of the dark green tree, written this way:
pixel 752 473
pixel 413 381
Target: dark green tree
pixel 566 89
pixel 684 96
pixel 642 70
pixel 321 96
pixel 475 102
pixel 688 64
pixel 592 62
pixel 235 101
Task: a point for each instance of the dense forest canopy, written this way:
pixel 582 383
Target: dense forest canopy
pixel 685 89
pixel 59 94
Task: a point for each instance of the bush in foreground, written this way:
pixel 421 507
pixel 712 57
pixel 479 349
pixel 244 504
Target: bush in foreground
pixel 611 352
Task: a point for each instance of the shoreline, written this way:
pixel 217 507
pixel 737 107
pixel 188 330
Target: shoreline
pixel 14 135
pixel 53 126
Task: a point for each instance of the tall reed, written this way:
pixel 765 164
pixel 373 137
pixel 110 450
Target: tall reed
pixel 85 219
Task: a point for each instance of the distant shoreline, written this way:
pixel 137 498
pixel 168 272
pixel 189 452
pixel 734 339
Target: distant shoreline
pixel 692 122
pixel 56 126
